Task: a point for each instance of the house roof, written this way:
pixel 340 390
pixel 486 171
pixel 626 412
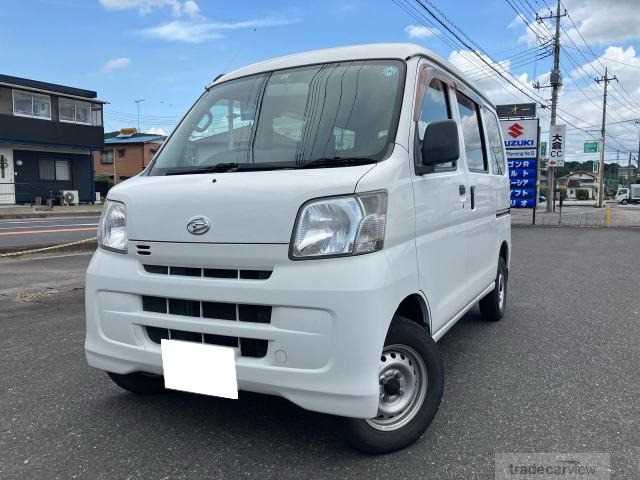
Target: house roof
pixel 112 138
pixel 578 172
pixel 37 85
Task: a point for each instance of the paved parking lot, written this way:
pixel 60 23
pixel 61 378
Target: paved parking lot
pixel 559 373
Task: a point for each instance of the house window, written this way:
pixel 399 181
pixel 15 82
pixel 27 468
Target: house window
pixel 74 111
pixel 107 157
pixel 28 104
pixel 59 170
pixel 96 115
pixel 63 170
pixel 47 169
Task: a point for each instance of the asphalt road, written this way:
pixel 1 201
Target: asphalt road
pixel 558 374
pixel 25 233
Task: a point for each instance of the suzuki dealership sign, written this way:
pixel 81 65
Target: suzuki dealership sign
pixel 521 142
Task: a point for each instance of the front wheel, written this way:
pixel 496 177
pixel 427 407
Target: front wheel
pixel 411 379
pixel 624 202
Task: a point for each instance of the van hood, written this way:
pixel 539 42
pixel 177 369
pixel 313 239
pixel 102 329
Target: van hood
pixel 242 207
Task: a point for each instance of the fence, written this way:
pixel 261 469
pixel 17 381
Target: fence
pixel 612 215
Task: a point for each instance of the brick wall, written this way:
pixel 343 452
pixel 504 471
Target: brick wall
pixel 130 159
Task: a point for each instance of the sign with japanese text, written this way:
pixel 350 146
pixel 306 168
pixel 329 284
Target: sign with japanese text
pixel 521 142
pixel 557 143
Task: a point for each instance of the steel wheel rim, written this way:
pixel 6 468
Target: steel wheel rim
pixel 403 387
pixel 501 292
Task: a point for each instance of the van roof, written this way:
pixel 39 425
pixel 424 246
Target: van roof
pixel 401 51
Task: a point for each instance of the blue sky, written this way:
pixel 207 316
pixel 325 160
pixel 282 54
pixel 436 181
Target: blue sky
pixel 165 51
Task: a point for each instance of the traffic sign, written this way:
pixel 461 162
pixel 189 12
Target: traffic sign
pixel 591 147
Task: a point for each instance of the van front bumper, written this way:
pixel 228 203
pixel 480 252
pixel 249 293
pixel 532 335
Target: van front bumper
pixel 328 323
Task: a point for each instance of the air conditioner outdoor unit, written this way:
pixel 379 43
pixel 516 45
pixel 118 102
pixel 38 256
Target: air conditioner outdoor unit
pixel 70 197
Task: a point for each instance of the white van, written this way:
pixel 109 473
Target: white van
pixel 325 217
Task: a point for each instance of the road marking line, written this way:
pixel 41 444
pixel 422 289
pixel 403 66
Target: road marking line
pixel 46 219
pixel 61 230
pixel 51 226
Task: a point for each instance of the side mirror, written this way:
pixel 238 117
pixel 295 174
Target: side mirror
pixel 441 143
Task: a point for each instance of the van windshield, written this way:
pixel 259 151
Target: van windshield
pixel 318 116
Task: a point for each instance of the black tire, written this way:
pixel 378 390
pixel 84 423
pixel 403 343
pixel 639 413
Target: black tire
pixel 624 202
pixel 492 307
pixel 139 383
pixel 365 437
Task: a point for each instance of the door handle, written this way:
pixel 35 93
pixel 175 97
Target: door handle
pixel 473 197
pixel 462 189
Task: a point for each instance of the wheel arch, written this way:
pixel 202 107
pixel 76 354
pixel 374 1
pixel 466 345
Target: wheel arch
pixel 415 308
pixel 504 252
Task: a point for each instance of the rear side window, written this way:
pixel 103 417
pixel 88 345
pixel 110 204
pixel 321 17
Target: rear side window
pixel 472 132
pixel 496 150
pixel 435 108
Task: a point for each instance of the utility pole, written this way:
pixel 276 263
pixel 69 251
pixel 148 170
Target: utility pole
pixel 637 122
pixel 605 79
pixel 556 83
pixel 138 102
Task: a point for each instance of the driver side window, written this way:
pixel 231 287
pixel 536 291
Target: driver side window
pixel 435 107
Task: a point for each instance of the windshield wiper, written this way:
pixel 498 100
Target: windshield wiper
pixel 337 162
pixel 228 167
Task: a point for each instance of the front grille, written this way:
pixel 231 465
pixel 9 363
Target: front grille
pixel 230 273
pixel 214 310
pixel 249 347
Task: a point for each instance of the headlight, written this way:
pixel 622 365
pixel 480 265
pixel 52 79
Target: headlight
pixel 349 225
pixel 112 230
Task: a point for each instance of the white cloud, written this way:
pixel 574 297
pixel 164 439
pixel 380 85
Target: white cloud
pixel 597 21
pixel 191 9
pixel 420 31
pixel 189 24
pixel 157 131
pixel 203 30
pixel 602 21
pixel 116 64
pixel 178 8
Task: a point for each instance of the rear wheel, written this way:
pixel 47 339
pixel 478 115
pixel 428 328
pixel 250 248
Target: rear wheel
pixel 492 306
pixel 139 382
pixel 411 381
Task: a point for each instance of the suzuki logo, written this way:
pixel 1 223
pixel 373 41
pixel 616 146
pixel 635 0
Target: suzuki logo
pixel 198 225
pixel 516 130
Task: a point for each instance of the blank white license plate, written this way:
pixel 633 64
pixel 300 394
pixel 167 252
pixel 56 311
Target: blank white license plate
pixel 199 368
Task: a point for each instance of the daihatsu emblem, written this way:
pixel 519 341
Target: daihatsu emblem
pixel 198 225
